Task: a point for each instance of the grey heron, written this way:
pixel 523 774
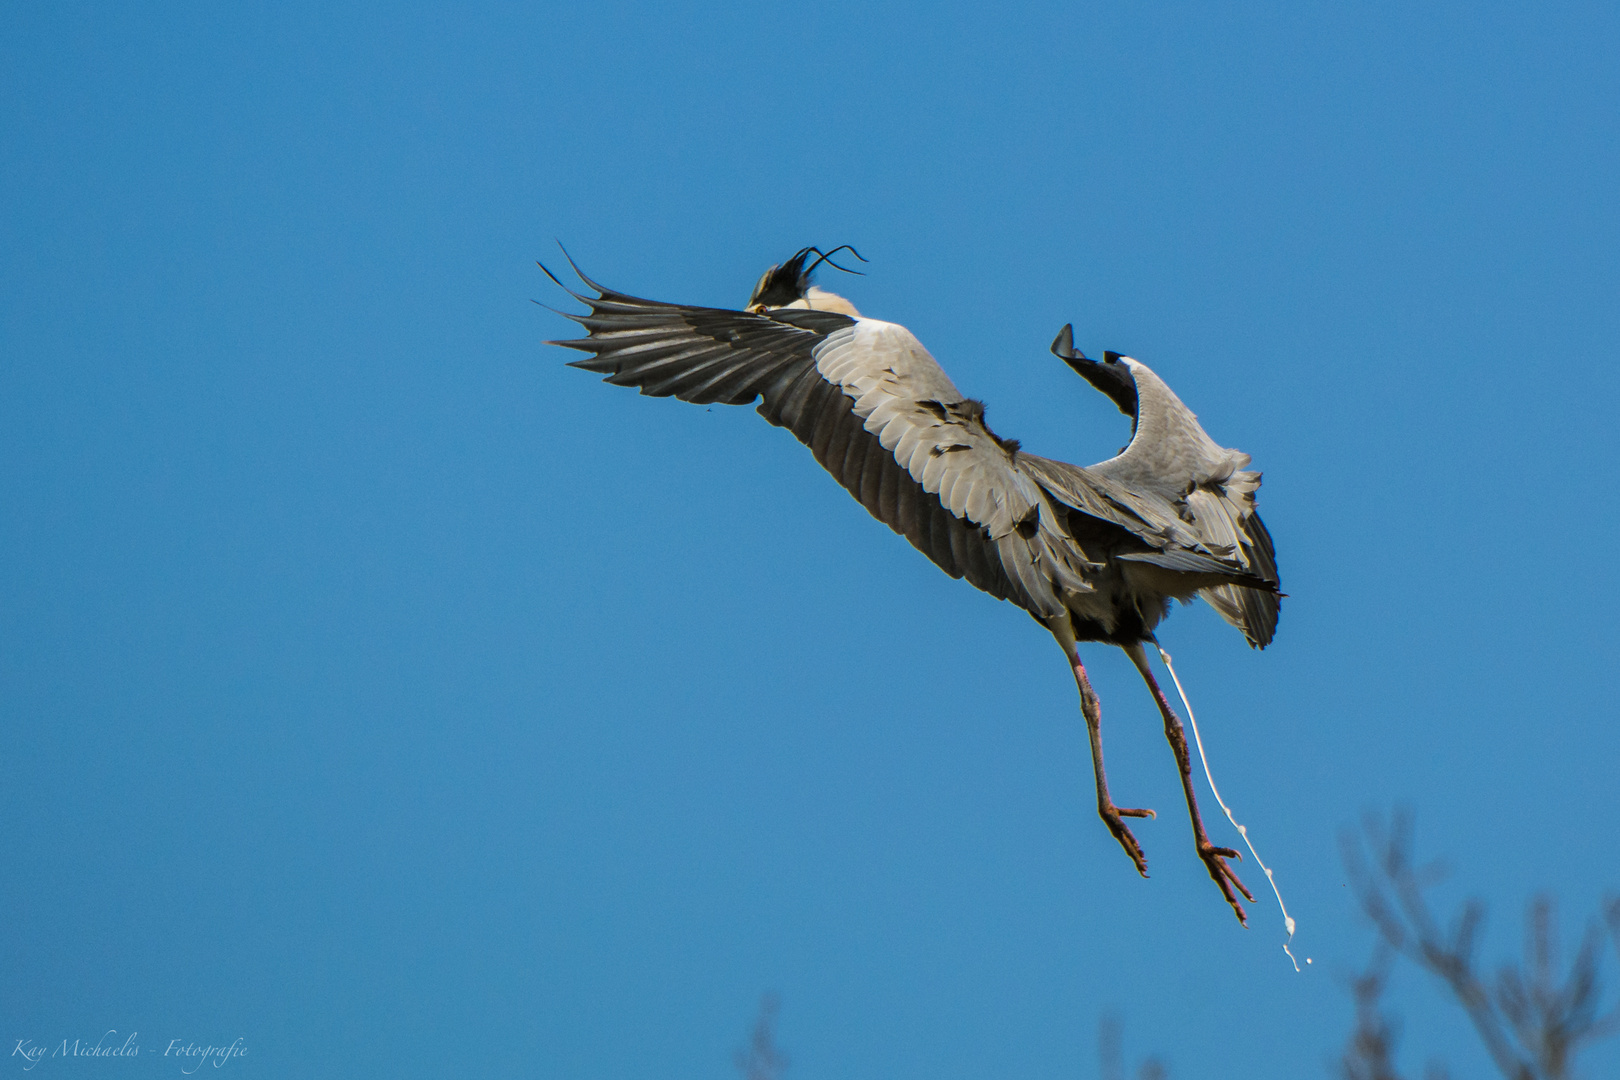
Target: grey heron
pixel 1093 554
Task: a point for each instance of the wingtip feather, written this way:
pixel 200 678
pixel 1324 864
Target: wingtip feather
pixel 582 275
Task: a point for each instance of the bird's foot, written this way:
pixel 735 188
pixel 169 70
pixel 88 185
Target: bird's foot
pixel 1215 859
pixel 1114 817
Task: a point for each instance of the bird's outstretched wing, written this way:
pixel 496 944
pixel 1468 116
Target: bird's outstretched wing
pixel 875 409
pixel 1171 456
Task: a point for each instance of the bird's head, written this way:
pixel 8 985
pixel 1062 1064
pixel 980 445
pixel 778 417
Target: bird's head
pixel 1111 377
pixel 789 283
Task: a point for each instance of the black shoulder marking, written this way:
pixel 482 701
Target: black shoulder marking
pixel 973 409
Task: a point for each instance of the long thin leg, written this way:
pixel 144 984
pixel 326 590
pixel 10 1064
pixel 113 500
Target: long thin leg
pixel 1091 708
pixel 1214 857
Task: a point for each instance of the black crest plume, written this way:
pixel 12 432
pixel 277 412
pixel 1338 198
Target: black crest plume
pixel 786 282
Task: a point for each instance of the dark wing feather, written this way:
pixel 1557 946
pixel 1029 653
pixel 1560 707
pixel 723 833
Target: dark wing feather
pixel 702 355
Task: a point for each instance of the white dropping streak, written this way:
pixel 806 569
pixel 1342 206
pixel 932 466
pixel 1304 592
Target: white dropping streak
pixel 1288 920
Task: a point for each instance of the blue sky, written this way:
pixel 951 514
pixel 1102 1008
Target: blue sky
pixel 377 690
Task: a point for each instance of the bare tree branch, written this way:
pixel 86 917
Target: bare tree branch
pixel 1371 1052
pixel 761 1059
pixel 1111 1052
pixel 1111 1048
pixel 1532 1021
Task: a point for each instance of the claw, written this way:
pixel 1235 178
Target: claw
pixel 1114 818
pixel 1123 812
pixel 1215 860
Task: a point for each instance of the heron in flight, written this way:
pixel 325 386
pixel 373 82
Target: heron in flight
pixel 1093 554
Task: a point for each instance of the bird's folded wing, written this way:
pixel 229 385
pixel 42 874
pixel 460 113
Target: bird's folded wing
pixel 873 407
pixel 1174 541
pixel 1150 518
pixel 1227 516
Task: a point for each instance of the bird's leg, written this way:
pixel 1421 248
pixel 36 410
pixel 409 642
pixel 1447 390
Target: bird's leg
pixel 1113 816
pixel 1214 857
pixel 1091 708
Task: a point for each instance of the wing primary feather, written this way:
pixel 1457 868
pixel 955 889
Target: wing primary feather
pixel 888 498
pixel 872 478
